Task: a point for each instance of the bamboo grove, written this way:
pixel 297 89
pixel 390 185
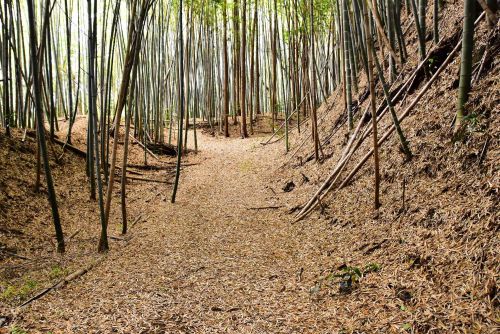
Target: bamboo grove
pixel 161 66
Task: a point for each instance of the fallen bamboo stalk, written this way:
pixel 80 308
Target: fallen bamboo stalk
pixel 289 117
pixel 136 220
pixel 404 86
pixel 320 194
pixel 74 234
pixel 144 147
pixel 64 145
pixel 346 155
pixel 408 83
pixel 310 134
pixel 403 115
pixel 134 172
pixel 492 17
pixel 283 135
pixel 409 107
pixel 362 116
pixel 70 147
pixel 15 255
pixel 117 238
pixel 166 166
pixel 317 197
pixel 62 283
pixel 136 178
pixel 328 184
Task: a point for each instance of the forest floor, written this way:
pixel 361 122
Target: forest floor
pixel 227 258
pixel 218 260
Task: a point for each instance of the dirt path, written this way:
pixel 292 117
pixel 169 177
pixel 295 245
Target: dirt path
pixel 206 264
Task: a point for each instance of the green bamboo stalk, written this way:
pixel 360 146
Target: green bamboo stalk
pixel 466 61
pixel 181 103
pixel 41 129
pixel 421 37
pixel 436 21
pixel 402 138
pixel 347 63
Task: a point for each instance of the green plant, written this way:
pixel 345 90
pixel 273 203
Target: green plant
pixel 57 272
pixel 348 276
pixel 9 293
pixel 17 330
pixel 371 268
pixel 406 327
pixel 472 122
pixel 28 286
pixel 20 292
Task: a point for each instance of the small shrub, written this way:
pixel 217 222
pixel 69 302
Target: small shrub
pixel 472 123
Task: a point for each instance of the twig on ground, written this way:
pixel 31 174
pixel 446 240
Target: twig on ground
pixel 15 255
pixel 265 207
pixel 62 283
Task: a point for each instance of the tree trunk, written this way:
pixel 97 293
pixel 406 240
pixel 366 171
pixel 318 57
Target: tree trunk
pixel 243 83
pixel 41 128
pixel 466 61
pixel 226 73
pixel 181 102
pixel 373 107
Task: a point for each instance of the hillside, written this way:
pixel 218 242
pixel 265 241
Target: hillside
pixel 436 234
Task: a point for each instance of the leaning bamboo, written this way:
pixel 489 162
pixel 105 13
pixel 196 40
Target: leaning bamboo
pixel 307 209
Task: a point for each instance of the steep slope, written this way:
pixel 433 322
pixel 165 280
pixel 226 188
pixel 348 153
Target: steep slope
pixel 436 235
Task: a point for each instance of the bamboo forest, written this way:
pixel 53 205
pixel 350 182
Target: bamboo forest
pixel 249 166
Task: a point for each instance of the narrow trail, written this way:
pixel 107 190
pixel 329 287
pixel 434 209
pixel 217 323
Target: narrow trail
pixel 207 263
